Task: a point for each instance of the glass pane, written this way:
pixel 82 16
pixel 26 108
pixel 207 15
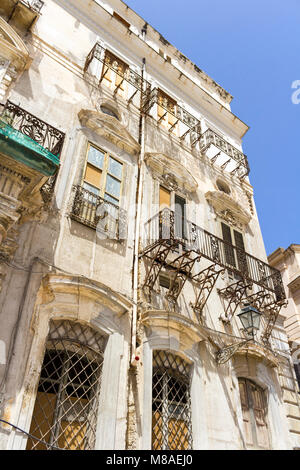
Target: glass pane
pixel 113 186
pixel 96 157
pixel 107 197
pixel 115 168
pixel 91 188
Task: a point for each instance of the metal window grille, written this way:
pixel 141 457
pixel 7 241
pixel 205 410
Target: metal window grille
pixel 65 412
pixel 171 403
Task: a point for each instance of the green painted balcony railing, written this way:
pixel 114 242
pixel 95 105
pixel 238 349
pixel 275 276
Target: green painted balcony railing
pixel 29 140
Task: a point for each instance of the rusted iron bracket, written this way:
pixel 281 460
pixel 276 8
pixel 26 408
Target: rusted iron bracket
pixel 207 280
pixel 233 295
pixel 184 266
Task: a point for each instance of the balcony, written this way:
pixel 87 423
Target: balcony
pixel 223 154
pixel 21 14
pixel 29 160
pixel 94 211
pixel 188 239
pixel 168 113
pixel 29 140
pixel 108 69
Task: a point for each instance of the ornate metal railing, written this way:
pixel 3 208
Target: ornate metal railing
pixel 92 210
pixel 47 136
pixel 179 113
pixel 35 5
pixel 210 137
pixel 129 75
pixel 168 226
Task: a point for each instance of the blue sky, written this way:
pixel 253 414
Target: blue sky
pixel 252 49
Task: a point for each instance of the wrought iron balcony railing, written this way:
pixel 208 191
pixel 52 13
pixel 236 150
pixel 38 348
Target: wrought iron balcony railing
pixel 35 5
pixel 167 227
pixel 94 211
pixel 191 124
pixel 128 75
pixel 211 138
pixel 47 136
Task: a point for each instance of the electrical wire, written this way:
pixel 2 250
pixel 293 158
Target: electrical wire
pixel 30 435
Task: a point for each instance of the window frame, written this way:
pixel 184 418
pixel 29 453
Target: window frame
pixel 166 415
pixel 113 75
pixel 72 352
pixel 104 173
pixel 166 121
pixel 251 409
pixel 237 261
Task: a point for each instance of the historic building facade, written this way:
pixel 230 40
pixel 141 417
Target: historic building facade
pixel 129 246
pixel 288 263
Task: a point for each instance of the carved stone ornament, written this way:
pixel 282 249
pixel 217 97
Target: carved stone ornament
pixel 14 55
pixel 109 128
pixel 228 209
pixel 171 173
pixel 170 181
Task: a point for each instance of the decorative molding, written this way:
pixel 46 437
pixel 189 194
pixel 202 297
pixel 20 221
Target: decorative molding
pixel 294 285
pixel 162 323
pixel 229 209
pixel 110 128
pixel 260 353
pixel 170 172
pixel 20 200
pixel 14 56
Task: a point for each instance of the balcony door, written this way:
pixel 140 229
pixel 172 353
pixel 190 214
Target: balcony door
pixel 172 221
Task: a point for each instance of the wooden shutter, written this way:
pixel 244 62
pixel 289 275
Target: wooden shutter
pixel 93 175
pixel 297 371
pixel 241 256
pixel 179 217
pixel 246 412
pixel 164 198
pixel 166 104
pixel 114 70
pixel 259 409
pixel 254 409
pixel 228 248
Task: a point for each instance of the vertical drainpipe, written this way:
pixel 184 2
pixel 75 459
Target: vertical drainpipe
pixel 139 195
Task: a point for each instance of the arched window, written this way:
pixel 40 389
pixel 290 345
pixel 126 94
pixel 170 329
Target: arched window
pixel 66 406
pixel 254 408
pixel 171 404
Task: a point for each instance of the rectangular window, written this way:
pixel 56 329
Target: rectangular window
pixel 180 217
pixel 166 111
pixel 234 248
pixel 254 410
pixel 114 72
pixel 240 252
pixel 103 175
pixel 121 20
pixel 164 198
pixel 228 248
pixel 102 181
